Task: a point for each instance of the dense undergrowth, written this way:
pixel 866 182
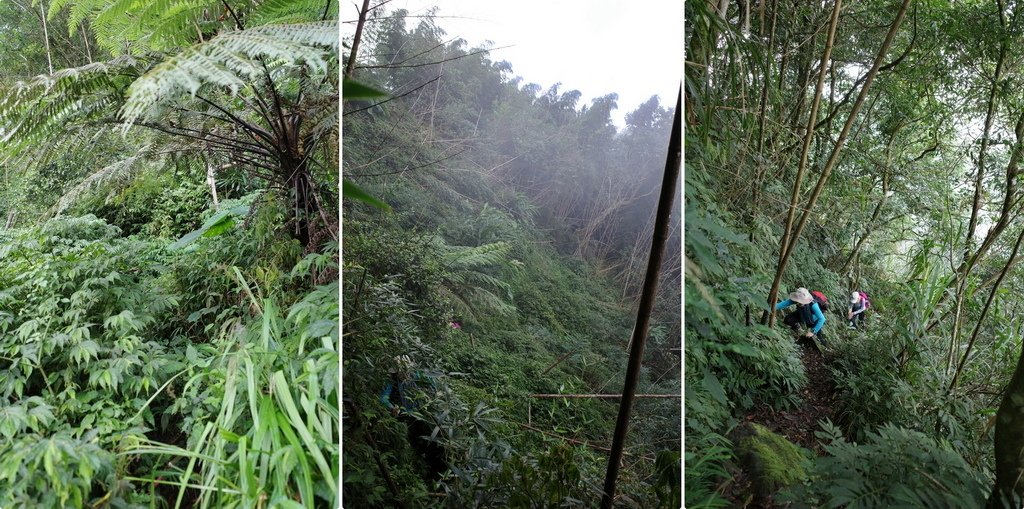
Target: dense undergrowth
pixel 131 369
pixel 499 271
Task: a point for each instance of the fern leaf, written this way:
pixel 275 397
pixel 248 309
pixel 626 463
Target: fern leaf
pixel 229 61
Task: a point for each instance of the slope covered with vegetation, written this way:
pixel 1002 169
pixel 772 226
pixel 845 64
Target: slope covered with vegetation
pixel 168 258
pixel 506 266
pixel 869 146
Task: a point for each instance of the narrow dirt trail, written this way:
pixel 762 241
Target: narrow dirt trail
pixel 797 425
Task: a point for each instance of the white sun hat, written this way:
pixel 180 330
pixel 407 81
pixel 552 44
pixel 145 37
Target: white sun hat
pixel 801 295
pixel 854 297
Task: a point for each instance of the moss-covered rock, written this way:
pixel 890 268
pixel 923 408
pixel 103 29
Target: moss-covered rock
pixel 771 461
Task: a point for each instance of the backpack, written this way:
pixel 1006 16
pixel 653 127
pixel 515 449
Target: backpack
pixel 864 297
pixel 820 299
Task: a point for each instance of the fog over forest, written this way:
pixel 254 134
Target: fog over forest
pixel 495 244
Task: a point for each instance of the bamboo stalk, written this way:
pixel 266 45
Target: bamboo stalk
pixel 767 317
pixel 673 162
pixel 787 248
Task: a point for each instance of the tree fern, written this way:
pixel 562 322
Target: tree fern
pixel 121 169
pixel 137 27
pixel 293 11
pixel 262 97
pixel 32 111
pixel 230 61
pixel 468 286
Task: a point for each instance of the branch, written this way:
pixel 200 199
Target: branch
pixel 391 98
pixel 389 66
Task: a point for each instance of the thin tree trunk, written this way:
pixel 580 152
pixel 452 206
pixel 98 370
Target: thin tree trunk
pixel 211 180
pixel 984 312
pixel 760 19
pixel 668 191
pixel 874 217
pixel 830 164
pixel 351 66
pixel 1009 200
pixel 808 136
pixel 85 42
pixel 979 182
pixel 769 56
pixel 46 38
pixel 961 286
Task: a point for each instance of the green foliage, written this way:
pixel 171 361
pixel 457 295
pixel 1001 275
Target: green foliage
pixel 272 430
pixel 868 385
pixel 78 356
pixel 53 471
pixel 551 479
pixel 773 461
pixel 231 61
pixel 894 467
pixel 706 457
pixel 500 266
pixel 468 285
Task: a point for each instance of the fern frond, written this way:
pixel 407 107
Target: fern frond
pixel 122 170
pixel 480 256
pixel 293 11
pixel 229 61
pixel 33 111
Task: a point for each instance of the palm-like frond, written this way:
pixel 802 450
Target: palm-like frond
pixel 138 27
pixel 33 110
pixel 230 61
pixel 293 11
pixel 468 286
pixel 461 258
pixel 118 170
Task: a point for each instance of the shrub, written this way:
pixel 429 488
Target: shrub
pixel 895 467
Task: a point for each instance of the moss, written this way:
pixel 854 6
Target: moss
pixel 772 461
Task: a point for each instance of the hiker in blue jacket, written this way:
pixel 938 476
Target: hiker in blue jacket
pixel 807 312
pixel 406 391
pixel 403 392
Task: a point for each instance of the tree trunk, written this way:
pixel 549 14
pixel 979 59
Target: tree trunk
pixel 211 180
pixel 833 158
pixel 46 38
pixel 984 312
pixel 1009 200
pixel 1009 442
pixel 979 181
pixel 768 317
pixel 351 66
pixel 874 217
pixel 661 233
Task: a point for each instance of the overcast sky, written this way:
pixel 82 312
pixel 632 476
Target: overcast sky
pixel 634 49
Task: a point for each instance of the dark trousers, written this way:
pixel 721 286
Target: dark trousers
pixel 431 452
pixel 859 317
pixel 794 319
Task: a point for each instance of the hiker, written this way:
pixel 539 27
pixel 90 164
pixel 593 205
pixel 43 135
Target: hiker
pixel 808 312
pixel 404 388
pixel 403 395
pixel 858 308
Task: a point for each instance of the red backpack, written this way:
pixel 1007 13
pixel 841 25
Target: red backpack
pixel 820 299
pixel 864 297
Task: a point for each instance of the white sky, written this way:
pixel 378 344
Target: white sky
pixel 634 49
